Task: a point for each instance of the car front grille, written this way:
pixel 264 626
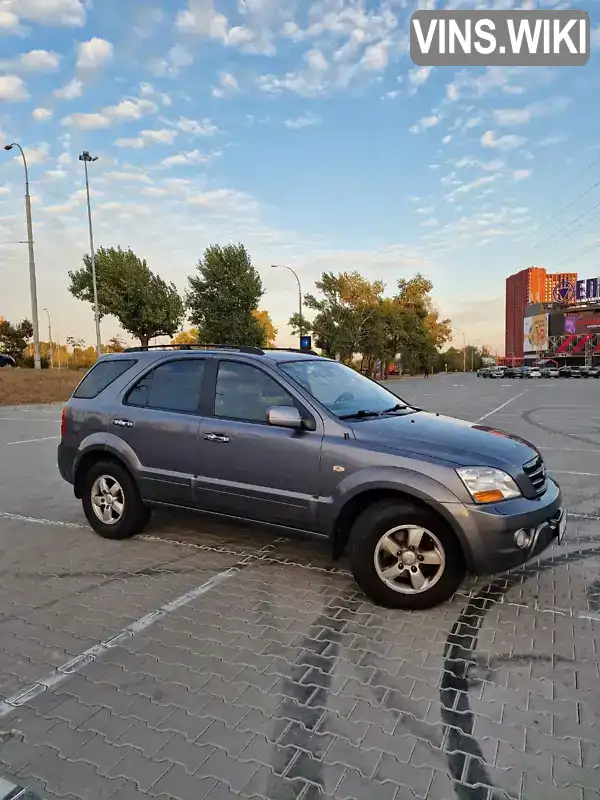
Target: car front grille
pixel 536 472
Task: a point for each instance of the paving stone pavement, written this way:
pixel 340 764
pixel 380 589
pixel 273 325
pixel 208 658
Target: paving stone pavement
pixel 281 680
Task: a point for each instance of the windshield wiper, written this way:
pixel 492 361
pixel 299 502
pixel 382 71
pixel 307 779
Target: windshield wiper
pixel 360 414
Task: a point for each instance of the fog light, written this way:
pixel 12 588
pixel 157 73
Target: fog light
pixel 522 538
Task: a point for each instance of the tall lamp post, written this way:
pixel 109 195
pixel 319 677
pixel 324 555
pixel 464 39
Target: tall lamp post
pixel 86 157
pixel 301 318
pixel 32 281
pixel 50 339
pixel 464 349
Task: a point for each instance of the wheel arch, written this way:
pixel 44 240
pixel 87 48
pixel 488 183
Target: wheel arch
pixel 356 504
pixel 88 459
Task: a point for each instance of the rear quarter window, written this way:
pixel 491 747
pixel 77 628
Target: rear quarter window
pixel 102 375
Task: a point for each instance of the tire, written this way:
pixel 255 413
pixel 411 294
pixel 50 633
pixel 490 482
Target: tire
pixel 366 537
pixel 130 517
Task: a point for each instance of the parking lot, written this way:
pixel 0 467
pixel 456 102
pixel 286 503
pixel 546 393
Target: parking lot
pixel 200 661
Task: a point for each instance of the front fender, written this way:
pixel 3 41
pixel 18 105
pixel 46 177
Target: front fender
pixel 396 479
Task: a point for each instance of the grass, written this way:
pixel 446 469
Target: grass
pixel 21 386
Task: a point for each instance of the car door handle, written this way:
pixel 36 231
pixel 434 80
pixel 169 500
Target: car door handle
pixel 123 423
pixel 216 437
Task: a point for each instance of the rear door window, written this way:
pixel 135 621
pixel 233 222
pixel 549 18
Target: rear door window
pixel 172 386
pixel 101 376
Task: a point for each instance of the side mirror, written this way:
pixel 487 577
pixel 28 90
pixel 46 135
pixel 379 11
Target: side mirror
pixel 284 417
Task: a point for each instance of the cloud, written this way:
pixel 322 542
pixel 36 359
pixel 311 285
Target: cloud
pixel 47 12
pixel 203 128
pixel 508 142
pixel 419 75
pixel 144 138
pixel 42 114
pixel 178 58
pixel 228 85
pixel 521 174
pixel 203 19
pixel 306 121
pixel 9 22
pixel 70 91
pixel 129 109
pixel 127 175
pixel 12 88
pixel 40 60
pixel 522 116
pixel 375 57
pixel 548 141
pixel 477 183
pixel 424 123
pixel 185 159
pixel 221 198
pixel 94 53
pixel 430 223
pixel 38 154
pixel 87 122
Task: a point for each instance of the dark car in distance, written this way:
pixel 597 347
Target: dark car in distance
pixel 7 361
pixel 300 443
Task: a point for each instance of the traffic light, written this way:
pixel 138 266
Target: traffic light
pixel 305 343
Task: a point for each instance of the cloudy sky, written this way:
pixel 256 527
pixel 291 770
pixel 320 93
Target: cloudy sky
pixel 299 128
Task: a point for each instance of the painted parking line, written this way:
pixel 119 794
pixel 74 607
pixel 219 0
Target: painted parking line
pixel 76 664
pixel 10 791
pixel 494 410
pixel 41 439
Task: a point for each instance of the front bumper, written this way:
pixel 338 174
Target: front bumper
pixel 488 533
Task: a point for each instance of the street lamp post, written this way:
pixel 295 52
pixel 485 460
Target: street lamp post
pixel 301 318
pixel 86 157
pixel 32 281
pixel 50 339
pixel 464 350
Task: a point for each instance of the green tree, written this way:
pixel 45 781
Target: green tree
pixel 223 298
pixel 145 305
pixel 14 338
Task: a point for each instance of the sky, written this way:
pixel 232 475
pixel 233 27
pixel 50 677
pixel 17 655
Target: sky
pixel 301 129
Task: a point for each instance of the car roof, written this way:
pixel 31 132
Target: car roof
pixel 279 354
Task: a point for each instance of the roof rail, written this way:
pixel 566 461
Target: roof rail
pixel 240 349
pixel 289 350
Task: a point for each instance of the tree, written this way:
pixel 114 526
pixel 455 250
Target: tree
pixel 347 303
pixel 223 297
pixel 14 338
pixel 115 345
pixel 266 323
pixel 186 337
pixel 145 305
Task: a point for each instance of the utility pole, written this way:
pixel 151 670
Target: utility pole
pixel 301 318
pixel 37 363
pixel 86 157
pixel 50 340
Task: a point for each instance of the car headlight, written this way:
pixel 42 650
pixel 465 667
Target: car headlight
pixel 488 485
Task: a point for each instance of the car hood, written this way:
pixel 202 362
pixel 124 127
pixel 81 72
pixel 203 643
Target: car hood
pixel 445 438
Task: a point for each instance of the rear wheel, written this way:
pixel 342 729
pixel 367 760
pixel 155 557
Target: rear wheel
pixel 111 501
pixel 404 556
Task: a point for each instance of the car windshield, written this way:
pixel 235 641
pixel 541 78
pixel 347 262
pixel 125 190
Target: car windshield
pixel 342 390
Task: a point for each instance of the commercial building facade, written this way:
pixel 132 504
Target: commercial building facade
pixel 552 315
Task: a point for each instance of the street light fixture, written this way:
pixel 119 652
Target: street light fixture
pixel 50 339
pixel 86 157
pixel 32 281
pixel 301 318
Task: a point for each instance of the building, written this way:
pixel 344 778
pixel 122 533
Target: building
pixel 529 286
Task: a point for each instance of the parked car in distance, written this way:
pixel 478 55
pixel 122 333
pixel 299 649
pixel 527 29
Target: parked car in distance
pixel 588 372
pixel 594 372
pixel 535 372
pixel 299 443
pixel 564 372
pixel 575 372
pixel 483 372
pixel 553 372
pixel 496 372
pixel 7 361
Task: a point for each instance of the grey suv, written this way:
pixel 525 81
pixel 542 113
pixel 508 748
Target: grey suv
pixel 294 441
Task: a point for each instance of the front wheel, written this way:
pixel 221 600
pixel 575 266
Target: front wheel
pixel 112 503
pixel 403 556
